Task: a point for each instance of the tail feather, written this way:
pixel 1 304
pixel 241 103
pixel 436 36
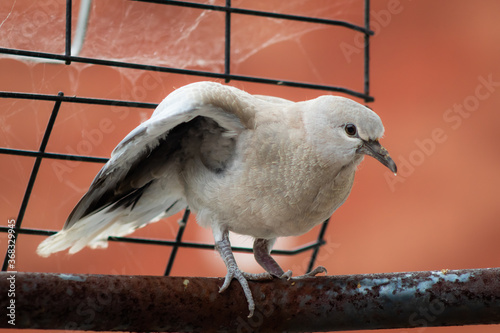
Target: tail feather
pixel 55 243
pixel 88 231
pixel 94 230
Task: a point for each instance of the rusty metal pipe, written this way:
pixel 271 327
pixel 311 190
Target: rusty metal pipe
pixel 156 303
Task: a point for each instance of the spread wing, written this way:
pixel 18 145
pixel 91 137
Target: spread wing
pixel 134 165
pixel 140 183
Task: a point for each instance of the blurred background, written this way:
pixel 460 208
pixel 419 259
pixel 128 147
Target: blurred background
pixel 434 74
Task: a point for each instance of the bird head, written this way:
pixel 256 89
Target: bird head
pixel 344 131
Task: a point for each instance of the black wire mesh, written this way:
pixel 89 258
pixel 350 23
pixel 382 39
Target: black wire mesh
pixel 60 98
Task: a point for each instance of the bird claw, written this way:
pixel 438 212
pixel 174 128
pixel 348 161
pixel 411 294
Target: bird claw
pixel 287 275
pixel 317 270
pixel 236 273
pixel 313 273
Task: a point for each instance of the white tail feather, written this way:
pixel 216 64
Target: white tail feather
pixel 55 243
pixel 88 231
pixel 94 230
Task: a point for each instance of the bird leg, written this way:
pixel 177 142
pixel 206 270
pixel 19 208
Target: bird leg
pixel 261 252
pixel 262 249
pixel 223 246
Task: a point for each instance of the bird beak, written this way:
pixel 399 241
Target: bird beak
pixel 375 150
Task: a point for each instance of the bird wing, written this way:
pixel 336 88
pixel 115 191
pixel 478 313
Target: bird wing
pixel 148 153
pixel 138 158
pixel 274 100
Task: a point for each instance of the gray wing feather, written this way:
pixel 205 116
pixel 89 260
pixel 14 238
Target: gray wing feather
pixel 135 161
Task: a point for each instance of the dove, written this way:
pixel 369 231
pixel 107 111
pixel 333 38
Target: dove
pixel 255 165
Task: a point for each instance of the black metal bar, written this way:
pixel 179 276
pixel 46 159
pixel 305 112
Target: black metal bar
pixel 178 240
pixel 34 173
pixel 31 153
pixel 29 231
pixel 331 303
pixel 68 31
pixel 227 46
pixel 74 99
pixel 261 13
pixel 367 52
pixel 149 241
pixel 303 248
pixel 223 76
pixel 320 241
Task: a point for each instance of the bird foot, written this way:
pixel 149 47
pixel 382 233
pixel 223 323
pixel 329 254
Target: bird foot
pixel 313 273
pixel 236 273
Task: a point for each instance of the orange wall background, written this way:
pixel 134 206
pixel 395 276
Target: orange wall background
pixel 435 76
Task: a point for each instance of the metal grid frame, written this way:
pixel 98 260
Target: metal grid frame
pixel 58 99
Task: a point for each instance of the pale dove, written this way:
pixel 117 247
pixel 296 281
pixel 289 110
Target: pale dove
pixel 256 165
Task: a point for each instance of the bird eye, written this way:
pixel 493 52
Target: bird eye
pixel 350 129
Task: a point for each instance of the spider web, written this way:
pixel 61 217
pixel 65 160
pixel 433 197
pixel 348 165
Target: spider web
pixel 156 34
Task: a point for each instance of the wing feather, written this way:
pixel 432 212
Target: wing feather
pixel 144 157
